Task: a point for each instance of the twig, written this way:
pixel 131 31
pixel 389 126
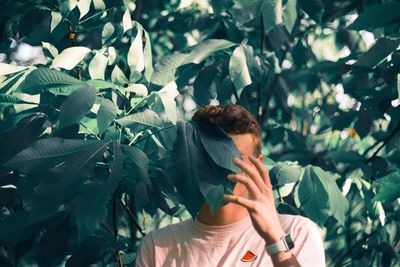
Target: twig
pixel 90 131
pixel 138 10
pixel 259 96
pixel 347 253
pixel 153 133
pixel 115 226
pixel 385 141
pixel 132 217
pixel 270 92
pixel 72 36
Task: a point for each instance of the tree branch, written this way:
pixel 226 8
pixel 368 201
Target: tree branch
pixel 385 141
pixel 115 226
pixel 132 217
pixel 72 36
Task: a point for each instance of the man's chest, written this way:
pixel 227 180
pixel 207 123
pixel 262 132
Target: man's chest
pixel 243 250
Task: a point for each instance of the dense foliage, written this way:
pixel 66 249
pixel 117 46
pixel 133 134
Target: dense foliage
pixel 87 132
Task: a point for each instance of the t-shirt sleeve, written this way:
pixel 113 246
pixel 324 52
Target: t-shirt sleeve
pixel 145 254
pixel 309 248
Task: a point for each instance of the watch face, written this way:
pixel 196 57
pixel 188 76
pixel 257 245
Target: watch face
pixel 289 242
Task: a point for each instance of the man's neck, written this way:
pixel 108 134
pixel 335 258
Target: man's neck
pixel 227 214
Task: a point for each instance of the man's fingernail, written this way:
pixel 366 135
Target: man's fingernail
pixel 252 157
pixel 235 159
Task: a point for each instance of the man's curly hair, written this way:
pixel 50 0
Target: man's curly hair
pixel 234 119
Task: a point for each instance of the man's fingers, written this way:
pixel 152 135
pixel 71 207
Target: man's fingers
pixel 247 203
pixel 247 182
pixel 253 174
pixel 262 170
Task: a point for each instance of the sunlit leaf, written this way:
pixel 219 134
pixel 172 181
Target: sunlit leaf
pixel 135 56
pixel 238 70
pixel 98 65
pixel 203 50
pixel 70 57
pixel 84 7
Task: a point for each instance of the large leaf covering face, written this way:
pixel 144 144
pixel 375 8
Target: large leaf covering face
pixel 199 163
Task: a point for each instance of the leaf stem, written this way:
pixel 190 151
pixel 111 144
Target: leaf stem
pixel 132 217
pixel 115 226
pixel 153 133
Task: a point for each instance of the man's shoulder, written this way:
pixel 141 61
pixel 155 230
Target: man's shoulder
pixel 170 232
pixel 296 223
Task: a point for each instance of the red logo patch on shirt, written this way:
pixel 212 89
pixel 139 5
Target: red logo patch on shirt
pixel 248 256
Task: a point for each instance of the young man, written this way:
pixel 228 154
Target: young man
pixel 247 231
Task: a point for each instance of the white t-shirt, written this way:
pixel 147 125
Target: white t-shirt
pixel 194 244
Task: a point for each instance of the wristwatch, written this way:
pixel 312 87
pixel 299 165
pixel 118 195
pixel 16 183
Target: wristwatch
pixel 285 244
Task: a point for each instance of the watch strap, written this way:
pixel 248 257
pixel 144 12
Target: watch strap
pixel 285 244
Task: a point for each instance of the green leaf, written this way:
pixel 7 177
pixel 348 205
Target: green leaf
pixel 148 58
pixel 97 66
pixel 66 6
pixel 127 21
pixel 106 114
pixel 42 79
pixel 62 182
pixel 377 53
pixel 147 118
pixel 204 49
pixel 166 96
pixel 282 174
pixel 272 14
pixel 238 70
pixel 13 228
pixel 398 86
pixel 375 16
pixel 165 69
pixel 314 198
pixel 47 153
pixel 118 76
pixel 137 164
pixel 205 85
pixel 345 156
pixel 313 8
pixel 194 174
pixel 111 31
pixel 320 196
pixel 84 7
pixel 364 123
pixel 70 57
pixel 100 84
pixel 343 120
pixel 6 69
pixel 135 57
pixel 214 140
pixel 95 248
pixel 22 135
pixel 56 18
pixel 290 14
pixel 253 66
pixel 388 187
pixel 245 11
pixel 10 99
pixel 77 105
pixel 52 50
pixel 89 208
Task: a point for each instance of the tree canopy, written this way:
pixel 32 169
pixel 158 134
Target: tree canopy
pixel 89 161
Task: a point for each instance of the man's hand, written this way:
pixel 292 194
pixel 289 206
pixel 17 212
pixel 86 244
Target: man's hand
pixel 261 206
pixel 260 203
